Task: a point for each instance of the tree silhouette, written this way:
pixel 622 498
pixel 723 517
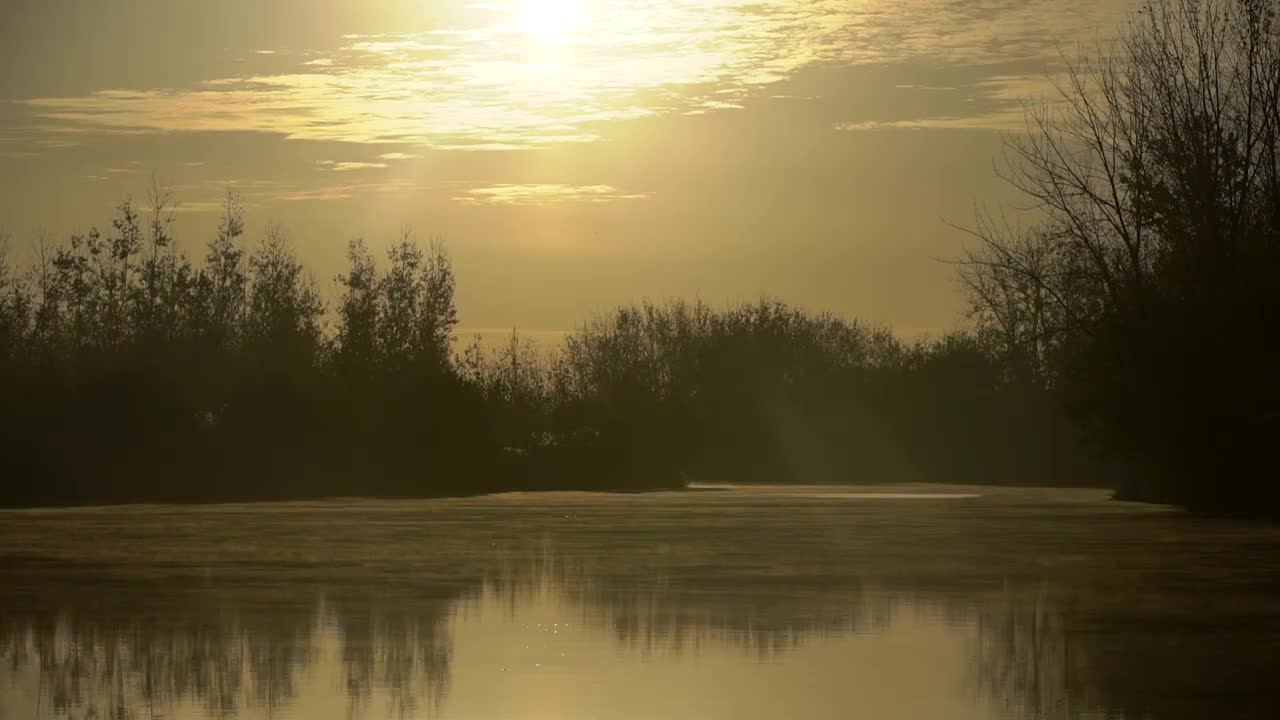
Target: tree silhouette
pixel 231 381
pixel 1148 294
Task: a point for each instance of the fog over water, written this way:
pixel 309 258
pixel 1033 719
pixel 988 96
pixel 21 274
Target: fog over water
pixel 915 602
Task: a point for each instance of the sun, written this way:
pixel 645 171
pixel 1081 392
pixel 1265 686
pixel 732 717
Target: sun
pixel 551 22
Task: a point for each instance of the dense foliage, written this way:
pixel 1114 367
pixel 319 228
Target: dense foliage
pixel 131 373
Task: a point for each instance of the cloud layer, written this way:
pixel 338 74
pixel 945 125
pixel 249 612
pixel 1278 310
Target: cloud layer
pixel 506 78
pixel 544 194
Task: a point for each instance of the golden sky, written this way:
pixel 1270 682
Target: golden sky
pixel 575 154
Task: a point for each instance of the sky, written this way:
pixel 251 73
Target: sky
pixel 574 154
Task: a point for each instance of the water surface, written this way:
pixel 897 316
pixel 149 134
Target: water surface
pixel 896 602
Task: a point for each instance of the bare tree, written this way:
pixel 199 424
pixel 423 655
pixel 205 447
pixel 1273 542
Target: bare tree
pixel 15 306
pixel 1160 156
pixel 224 274
pixel 1155 176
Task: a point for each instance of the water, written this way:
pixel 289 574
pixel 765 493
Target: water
pixel 726 603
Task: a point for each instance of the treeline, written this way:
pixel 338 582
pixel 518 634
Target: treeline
pixel 131 373
pixel 1149 295
pixel 763 392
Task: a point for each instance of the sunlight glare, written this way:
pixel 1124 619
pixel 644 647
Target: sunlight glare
pixel 550 21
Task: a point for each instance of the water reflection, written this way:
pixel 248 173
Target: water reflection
pixel 538 640
pixel 1017 605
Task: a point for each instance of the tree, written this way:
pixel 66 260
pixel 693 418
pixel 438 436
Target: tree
pixel 113 260
pixel 15 309
pixel 282 321
pixel 514 380
pixel 438 315
pixel 417 309
pixel 223 282
pixel 159 301
pixel 1148 293
pixel 358 322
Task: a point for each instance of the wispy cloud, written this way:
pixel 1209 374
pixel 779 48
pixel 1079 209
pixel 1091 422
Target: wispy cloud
pixel 200 206
pixel 995 122
pixel 16 148
pixel 343 191
pixel 504 83
pixel 545 194
pixel 323 193
pixel 340 166
pixel 399 156
pixel 208 195
pixel 994 103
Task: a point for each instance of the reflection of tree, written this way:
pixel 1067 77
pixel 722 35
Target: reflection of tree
pixel 1138 653
pixel 103 647
pixel 220 657
pixel 1171 662
pixel 107 643
pixel 402 648
pixel 1025 663
pixel 654 611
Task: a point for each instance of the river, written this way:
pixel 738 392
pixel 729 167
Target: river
pixel 718 603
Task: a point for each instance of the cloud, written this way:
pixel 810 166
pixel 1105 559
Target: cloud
pixel 344 191
pixel 324 193
pixel 497 84
pixel 202 206
pixel 17 148
pixel 1011 121
pixel 394 47
pixel 995 103
pixel 399 156
pixel 346 165
pixel 545 194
